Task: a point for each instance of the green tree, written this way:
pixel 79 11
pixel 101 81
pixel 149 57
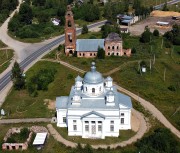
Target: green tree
pixel 25 13
pixel 156 33
pixel 84 29
pixel 101 53
pixel 17 77
pixel 146 36
pixel 165 8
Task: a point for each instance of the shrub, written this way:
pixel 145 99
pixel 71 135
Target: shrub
pixel 156 33
pixel 40 81
pixel 70 76
pixel 48 30
pixel 146 36
pixel 101 53
pixel 167 44
pixel 133 51
pixel 172 88
pixel 84 29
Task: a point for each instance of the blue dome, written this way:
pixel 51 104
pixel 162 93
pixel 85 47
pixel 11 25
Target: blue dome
pixel 93 77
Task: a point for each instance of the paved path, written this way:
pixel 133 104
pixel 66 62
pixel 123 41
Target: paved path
pixel 24 120
pixel 146 104
pixel 142 129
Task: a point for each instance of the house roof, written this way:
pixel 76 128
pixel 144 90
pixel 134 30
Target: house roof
pixel 85 45
pixel 126 21
pixel 126 17
pixel 40 138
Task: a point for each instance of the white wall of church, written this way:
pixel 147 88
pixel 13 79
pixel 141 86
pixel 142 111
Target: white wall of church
pixel 93 89
pixel 61 117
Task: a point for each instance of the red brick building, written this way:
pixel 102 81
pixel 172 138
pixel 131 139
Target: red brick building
pixel 70 32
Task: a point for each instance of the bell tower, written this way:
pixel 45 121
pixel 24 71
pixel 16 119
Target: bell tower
pixel 70 32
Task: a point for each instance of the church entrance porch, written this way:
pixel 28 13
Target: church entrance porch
pixel 92 129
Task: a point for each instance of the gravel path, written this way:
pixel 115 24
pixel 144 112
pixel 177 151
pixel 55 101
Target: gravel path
pixel 142 130
pixel 24 120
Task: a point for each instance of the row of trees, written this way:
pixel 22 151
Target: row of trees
pixel 88 12
pixel 6 6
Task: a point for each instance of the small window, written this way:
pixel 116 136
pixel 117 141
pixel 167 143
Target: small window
pixel 112 47
pixel 111 128
pixel 122 120
pixel 86 88
pixel 93 122
pixel 122 114
pixel 117 54
pixel 108 47
pixel 80 54
pixel 69 24
pixel 83 54
pixel 94 54
pixel 100 122
pixel 74 121
pixel 64 119
pixel 75 127
pixel 117 47
pixel 90 54
pixel 99 128
pixel 87 122
pixel 108 53
pixel 87 128
pixel 100 89
pixel 112 122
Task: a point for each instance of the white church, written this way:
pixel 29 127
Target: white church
pixel 94 108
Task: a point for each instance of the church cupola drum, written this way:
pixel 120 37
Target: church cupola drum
pixel 70 32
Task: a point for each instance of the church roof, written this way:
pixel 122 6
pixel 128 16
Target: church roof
pixel 110 93
pixel 62 102
pixel 113 37
pixel 85 45
pixel 93 76
pixel 93 112
pixel 78 78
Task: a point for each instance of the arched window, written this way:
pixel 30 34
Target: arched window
pixel 86 88
pixel 112 47
pixel 80 54
pixel 117 54
pixel 108 47
pixel 108 53
pixel 93 90
pixel 69 23
pixel 117 47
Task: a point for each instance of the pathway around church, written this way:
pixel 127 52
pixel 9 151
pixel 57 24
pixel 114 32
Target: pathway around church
pixel 146 104
pixel 142 130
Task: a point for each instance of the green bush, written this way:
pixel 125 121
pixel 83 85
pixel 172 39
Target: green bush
pixel 40 81
pixel 156 33
pixel 48 30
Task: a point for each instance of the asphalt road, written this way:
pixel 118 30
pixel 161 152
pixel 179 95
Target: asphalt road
pixel 157 7
pixel 7 77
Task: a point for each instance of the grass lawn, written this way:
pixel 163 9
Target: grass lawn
pixel 21 105
pixel 124 135
pixel 152 86
pixel 5 57
pixel 2 45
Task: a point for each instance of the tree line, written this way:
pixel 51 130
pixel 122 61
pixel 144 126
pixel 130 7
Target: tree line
pixel 6 6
